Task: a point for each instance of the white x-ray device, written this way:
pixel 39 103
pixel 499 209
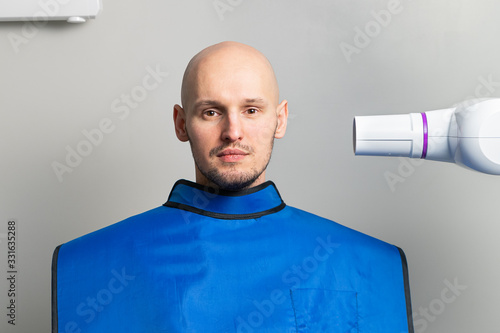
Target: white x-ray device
pixel 468 135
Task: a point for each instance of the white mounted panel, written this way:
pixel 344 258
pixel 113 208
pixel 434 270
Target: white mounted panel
pixel 73 11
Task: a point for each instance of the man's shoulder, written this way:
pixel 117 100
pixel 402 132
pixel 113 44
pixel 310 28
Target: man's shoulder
pixel 123 229
pixel 306 222
pixel 311 220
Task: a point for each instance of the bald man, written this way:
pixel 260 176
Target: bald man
pixel 225 253
pixel 230 115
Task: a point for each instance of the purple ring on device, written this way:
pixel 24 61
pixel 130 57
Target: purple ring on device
pixel 426 135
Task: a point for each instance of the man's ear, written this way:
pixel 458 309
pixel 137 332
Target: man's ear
pixel 282 119
pixel 180 123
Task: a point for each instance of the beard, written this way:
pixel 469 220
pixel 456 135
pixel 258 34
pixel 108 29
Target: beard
pixel 231 179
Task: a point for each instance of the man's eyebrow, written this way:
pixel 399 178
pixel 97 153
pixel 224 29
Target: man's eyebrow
pixel 257 100
pixel 247 101
pixel 206 102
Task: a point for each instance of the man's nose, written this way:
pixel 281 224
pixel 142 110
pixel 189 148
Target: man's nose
pixel 232 127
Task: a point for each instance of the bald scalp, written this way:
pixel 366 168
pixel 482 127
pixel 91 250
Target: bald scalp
pixel 225 56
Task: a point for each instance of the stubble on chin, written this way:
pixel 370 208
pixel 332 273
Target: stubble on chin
pixel 228 176
pixel 232 180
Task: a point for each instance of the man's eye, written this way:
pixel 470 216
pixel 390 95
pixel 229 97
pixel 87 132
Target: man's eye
pixel 252 111
pixel 210 113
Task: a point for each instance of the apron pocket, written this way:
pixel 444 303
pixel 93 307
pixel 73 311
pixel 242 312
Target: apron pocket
pixel 321 310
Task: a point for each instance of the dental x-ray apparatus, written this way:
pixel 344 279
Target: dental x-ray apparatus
pixel 468 135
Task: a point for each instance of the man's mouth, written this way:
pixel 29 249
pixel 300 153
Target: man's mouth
pixel 231 155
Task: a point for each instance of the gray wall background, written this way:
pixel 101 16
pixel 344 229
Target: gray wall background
pixel 64 80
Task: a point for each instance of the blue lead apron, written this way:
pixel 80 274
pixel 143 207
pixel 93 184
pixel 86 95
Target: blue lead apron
pixel 219 261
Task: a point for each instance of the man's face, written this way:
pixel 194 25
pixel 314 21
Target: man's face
pixel 231 121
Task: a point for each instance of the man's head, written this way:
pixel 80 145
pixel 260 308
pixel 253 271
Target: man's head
pixel 230 115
